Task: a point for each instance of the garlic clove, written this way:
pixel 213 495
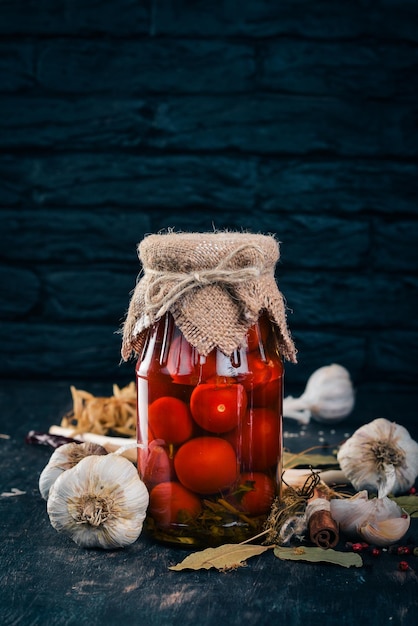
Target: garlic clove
pixel 100 503
pixel 328 397
pixel 350 512
pixel 63 458
pixel 381 457
pixel 379 521
pixel 386 532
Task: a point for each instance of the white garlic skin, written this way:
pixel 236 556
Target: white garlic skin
pixel 99 503
pixel 380 457
pixel 378 521
pixel 62 459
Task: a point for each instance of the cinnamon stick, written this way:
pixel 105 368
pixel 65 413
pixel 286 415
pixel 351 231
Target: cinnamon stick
pixel 323 529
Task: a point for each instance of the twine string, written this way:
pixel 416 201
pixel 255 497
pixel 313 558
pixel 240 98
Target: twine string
pixel 158 300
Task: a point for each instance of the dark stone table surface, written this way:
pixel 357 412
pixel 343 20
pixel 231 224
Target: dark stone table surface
pixel 45 579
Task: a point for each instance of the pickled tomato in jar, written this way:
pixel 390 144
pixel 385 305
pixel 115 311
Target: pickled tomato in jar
pixel 211 427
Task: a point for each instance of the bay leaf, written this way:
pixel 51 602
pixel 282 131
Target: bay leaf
pixel 319 555
pixel 227 556
pixel 408 503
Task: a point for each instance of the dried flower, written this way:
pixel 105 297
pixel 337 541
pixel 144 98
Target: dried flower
pixel 99 503
pixel 379 521
pixel 328 397
pixel 381 457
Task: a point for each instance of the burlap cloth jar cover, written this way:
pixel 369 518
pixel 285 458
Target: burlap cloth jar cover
pixel 215 285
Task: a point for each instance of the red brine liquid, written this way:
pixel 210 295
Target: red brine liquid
pixel 210 430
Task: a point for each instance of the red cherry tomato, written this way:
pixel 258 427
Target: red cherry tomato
pixel 171 503
pixel 259 500
pixel 206 464
pixel 259 371
pixel 257 440
pixel 170 419
pixel 218 408
pixel 158 385
pixel 159 467
pixel 269 394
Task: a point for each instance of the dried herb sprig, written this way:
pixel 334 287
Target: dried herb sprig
pixel 286 517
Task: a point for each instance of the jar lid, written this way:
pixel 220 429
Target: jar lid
pixel 215 285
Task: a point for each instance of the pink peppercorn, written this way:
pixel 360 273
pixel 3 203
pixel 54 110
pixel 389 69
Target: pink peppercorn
pixel 403 566
pixel 357 547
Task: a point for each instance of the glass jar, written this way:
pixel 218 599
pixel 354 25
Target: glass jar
pixel 210 429
pixel 207 324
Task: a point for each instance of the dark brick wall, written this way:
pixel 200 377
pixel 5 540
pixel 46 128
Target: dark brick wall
pixel 119 119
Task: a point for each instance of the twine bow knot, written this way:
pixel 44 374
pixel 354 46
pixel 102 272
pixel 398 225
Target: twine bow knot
pixel 158 299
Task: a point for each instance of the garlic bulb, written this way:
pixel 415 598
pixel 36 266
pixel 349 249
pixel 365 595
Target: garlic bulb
pixel 62 459
pixel 328 397
pixel 381 457
pixel 100 503
pixel 379 521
